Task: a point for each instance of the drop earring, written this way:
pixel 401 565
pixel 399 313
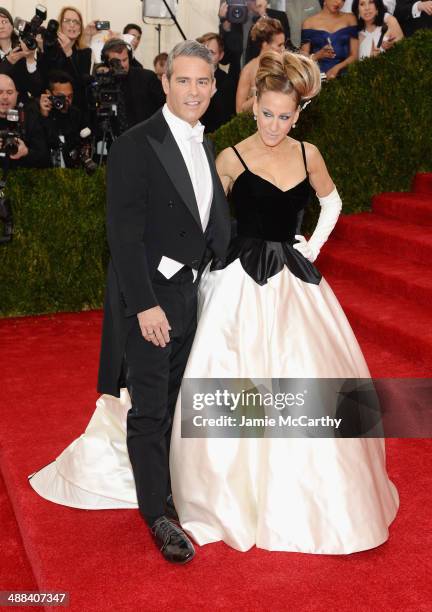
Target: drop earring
pixel 255 117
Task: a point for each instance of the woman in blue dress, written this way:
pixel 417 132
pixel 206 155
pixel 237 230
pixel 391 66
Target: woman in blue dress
pixel 330 37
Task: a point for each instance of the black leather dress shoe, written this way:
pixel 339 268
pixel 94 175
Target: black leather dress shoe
pixel 171 512
pixel 172 541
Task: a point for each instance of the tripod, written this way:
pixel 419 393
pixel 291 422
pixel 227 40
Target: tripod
pixel 107 133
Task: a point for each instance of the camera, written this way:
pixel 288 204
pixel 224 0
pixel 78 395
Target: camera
pixel 58 102
pixel 104 90
pixel 237 11
pixel 102 25
pixel 9 136
pixel 50 33
pixel 28 30
pixel 82 154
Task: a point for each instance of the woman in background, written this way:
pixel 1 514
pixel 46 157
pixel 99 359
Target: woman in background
pixel 269 35
pixel 330 38
pixel 17 61
pixel 378 30
pixel 72 54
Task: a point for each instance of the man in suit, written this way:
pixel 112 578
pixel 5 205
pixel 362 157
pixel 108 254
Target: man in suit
pixel 239 48
pixel 222 105
pixel 141 89
pixel 413 15
pixel 167 216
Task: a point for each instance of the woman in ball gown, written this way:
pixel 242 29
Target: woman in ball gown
pixel 267 314
pixel 330 37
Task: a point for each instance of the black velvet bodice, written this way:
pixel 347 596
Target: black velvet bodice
pixel 264 211
pixel 267 221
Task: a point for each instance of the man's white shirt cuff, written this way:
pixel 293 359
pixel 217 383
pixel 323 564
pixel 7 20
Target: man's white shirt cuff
pixel 415 11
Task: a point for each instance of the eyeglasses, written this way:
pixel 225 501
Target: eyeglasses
pixel 74 22
pixel 4 21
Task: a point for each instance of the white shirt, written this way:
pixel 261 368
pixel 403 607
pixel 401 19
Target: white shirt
pixel 195 158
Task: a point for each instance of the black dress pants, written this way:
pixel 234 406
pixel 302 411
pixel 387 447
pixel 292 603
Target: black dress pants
pixel 153 379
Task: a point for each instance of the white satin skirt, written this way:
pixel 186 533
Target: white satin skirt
pixel 328 496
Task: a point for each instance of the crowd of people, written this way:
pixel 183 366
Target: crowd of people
pixel 60 108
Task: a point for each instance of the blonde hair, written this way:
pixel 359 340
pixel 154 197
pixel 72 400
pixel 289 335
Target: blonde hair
pixel 264 30
pixel 79 43
pixel 288 73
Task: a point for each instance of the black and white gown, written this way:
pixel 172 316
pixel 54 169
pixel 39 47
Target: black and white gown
pixel 267 314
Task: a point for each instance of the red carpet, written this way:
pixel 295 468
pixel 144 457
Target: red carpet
pixel 106 560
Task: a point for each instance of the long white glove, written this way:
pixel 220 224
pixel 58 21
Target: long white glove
pixel 331 205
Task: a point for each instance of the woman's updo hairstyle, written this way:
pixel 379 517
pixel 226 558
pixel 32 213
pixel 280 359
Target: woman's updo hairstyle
pixel 288 73
pixel 264 30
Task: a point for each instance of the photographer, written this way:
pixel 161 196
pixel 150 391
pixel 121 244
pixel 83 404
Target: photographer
pixel 135 32
pixel 140 90
pixel 71 53
pixel 239 47
pixel 16 60
pixel 61 120
pixel 22 144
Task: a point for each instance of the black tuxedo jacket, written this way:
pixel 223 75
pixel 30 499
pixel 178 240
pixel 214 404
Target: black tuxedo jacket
pixel 409 25
pixel 222 104
pixel 151 212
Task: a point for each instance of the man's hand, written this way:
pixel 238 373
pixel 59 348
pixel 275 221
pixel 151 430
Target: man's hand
pixel 22 150
pixel 65 43
pixel 154 326
pixel 425 7
pixel 45 104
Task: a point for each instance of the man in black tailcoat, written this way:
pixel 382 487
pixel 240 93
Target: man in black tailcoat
pixel 167 216
pixel 413 15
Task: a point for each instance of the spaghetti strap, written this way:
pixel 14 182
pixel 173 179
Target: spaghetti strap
pixel 240 158
pixel 304 157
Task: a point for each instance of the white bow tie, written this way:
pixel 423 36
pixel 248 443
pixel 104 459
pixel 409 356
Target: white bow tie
pixel 197 133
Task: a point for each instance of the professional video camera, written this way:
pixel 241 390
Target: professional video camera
pixel 28 30
pixel 105 98
pixel 104 90
pixel 9 136
pixel 237 11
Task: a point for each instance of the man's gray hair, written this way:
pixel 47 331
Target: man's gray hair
pixel 188 48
